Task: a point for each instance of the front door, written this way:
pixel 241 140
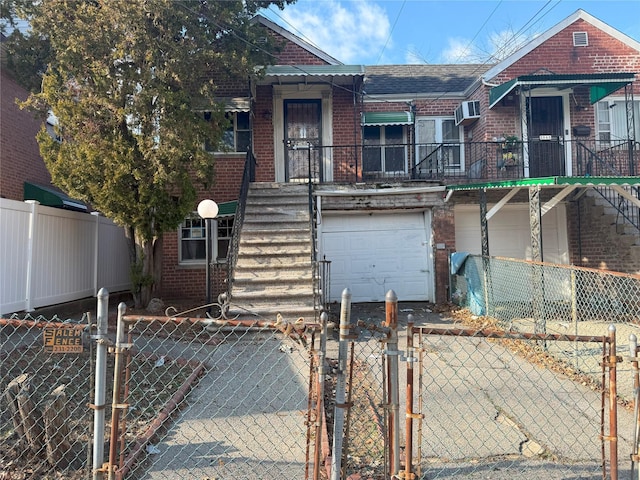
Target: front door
pixel 546 145
pixel 303 140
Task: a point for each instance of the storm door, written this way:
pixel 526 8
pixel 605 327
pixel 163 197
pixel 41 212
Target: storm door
pixel 303 139
pixel 546 137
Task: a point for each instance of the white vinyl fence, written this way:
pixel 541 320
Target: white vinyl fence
pixel 50 256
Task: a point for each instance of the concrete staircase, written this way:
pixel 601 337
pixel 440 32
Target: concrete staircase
pixel 627 233
pixel 274 271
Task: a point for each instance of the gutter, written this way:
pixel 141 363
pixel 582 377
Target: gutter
pixel 378 191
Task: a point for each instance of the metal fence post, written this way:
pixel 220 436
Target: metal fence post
pixel 116 406
pixel 338 419
pixel 611 362
pixel 408 451
pixel 633 357
pixel 322 371
pixel 100 383
pixel 391 306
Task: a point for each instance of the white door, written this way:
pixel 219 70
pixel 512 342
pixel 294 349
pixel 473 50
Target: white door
pixel 377 252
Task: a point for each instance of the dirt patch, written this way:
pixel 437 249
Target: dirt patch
pixel 151 384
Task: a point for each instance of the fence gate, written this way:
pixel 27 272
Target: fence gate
pixel 502 405
pixel 235 394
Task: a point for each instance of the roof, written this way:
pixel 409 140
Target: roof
pixel 452 79
pixel 540 39
pixel 297 40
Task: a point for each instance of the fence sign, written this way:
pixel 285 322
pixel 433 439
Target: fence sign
pixel 62 340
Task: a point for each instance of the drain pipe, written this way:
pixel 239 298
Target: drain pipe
pixel 100 383
pixel 338 418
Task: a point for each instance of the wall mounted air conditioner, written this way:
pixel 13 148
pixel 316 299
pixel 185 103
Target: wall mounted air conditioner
pixel 467 112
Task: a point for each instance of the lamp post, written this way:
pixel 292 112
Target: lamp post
pixel 208 209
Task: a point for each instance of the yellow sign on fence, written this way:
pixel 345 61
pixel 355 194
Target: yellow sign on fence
pixel 62 340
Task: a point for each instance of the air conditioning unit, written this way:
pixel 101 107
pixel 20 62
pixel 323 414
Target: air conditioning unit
pixel 467 112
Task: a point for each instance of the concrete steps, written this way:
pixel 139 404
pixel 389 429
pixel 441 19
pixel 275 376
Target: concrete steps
pixel 274 272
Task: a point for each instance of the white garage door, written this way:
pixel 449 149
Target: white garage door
pixel 374 253
pixel 510 234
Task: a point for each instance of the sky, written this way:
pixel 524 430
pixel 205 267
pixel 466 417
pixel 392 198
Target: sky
pixel 385 32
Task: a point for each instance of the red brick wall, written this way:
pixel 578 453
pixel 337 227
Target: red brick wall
pixel 20 159
pixel 593 241
pixel 293 54
pixel 188 281
pixel 604 54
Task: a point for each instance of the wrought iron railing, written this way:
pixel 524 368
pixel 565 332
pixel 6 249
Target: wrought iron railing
pixel 248 176
pixel 617 159
pixel 465 162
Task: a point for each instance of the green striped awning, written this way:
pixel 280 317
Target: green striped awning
pixel 227 208
pixel 387 118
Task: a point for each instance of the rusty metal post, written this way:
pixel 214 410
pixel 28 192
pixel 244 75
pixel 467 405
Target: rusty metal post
pixel 322 371
pixel 633 357
pixel 408 452
pixel 393 401
pixel 613 404
pixel 341 386
pixel 117 385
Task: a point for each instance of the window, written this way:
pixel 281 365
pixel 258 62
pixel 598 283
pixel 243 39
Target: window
pixel 384 149
pixel 438 144
pixel 192 247
pixel 237 137
pixel 612 120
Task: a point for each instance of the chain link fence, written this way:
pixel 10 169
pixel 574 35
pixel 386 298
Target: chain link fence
pixel 496 405
pixel 524 296
pixel 239 407
pixel 46 385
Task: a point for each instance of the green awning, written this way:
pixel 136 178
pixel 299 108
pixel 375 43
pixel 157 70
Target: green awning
pixel 551 182
pixel 227 208
pixel 51 197
pixel 600 84
pixel 387 118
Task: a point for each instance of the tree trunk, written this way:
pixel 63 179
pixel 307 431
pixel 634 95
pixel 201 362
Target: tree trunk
pixel 31 418
pixel 11 397
pixel 56 421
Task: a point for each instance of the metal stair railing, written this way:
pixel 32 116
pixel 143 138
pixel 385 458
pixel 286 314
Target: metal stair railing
pixel 248 176
pixel 602 163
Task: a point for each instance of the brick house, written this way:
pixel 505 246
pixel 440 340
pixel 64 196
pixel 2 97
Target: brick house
pixel 20 159
pixel 388 169
pixel 23 174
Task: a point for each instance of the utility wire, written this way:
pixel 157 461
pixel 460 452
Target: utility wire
pixel 391 32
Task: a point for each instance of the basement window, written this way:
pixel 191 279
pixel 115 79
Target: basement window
pixel 192 245
pixel 580 39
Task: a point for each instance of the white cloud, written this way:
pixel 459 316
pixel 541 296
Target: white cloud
pixel 499 45
pixel 352 32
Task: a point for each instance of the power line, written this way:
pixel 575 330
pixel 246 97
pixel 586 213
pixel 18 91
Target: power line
pixel 391 32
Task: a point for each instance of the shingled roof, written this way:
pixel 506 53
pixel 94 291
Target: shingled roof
pixel 411 79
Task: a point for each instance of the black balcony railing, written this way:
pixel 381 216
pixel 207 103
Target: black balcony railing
pixel 468 162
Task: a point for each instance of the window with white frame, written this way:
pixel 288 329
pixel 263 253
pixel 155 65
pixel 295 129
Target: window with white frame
pixel 192 245
pixel 438 144
pixel 237 136
pixel 385 149
pixel 612 120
